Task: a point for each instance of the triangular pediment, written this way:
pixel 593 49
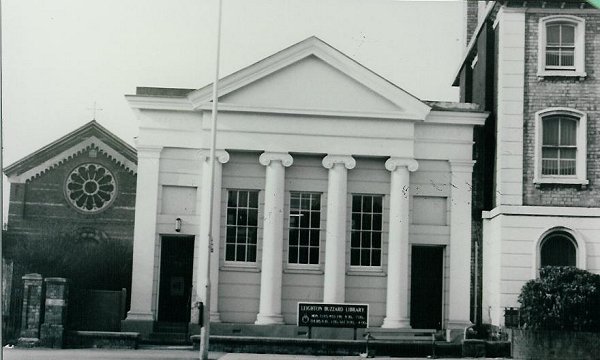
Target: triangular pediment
pixel 91 136
pixel 312 76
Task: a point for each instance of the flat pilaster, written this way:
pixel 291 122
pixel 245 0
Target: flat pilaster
pixel 460 243
pixel 144 234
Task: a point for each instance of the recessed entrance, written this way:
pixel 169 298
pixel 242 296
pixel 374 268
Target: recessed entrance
pixel 177 253
pixel 427 274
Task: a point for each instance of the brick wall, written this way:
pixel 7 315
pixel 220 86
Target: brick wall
pixel 553 92
pixel 38 211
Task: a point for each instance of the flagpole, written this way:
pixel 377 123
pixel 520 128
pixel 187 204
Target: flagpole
pixel 205 331
pixel 1 204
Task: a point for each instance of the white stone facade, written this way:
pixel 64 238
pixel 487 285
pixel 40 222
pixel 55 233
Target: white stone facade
pixel 311 120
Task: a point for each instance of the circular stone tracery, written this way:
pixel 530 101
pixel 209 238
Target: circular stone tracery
pixel 90 187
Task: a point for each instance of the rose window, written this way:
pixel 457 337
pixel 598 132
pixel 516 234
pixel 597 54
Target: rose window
pixel 90 187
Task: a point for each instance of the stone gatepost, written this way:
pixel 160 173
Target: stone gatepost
pixel 55 313
pixel 31 311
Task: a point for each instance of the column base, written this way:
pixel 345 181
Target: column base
pixel 140 323
pixel 273 319
pixel 396 323
pixel 215 317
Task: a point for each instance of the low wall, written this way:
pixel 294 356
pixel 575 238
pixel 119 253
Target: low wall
pixel 555 345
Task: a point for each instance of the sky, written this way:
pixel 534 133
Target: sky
pixel 59 57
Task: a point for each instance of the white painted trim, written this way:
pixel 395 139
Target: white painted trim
pixel 313 47
pixel 580 248
pixel 396 115
pixel 72 152
pixel 159 103
pixel 580 176
pixel 557 211
pixel 579 61
pixel 457 117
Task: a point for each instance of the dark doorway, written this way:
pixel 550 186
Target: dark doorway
pixel 176 261
pixel 427 275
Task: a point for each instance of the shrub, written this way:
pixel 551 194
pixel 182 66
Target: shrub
pixel 562 298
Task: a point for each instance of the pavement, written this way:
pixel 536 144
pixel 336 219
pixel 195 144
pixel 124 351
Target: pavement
pixel 167 353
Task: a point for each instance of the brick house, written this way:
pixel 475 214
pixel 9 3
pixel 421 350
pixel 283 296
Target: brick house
pixel 534 66
pixel 71 209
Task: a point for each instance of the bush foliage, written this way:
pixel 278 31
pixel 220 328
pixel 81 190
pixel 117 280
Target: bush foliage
pixel 562 298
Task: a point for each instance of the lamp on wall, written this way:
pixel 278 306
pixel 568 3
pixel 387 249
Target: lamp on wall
pixel 178 224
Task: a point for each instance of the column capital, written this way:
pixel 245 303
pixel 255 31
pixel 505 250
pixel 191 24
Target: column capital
pixel 394 163
pixel 285 158
pixel 148 151
pixel 221 156
pixel 463 166
pixel 329 161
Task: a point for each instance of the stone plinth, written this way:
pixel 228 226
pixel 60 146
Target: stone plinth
pixel 55 314
pixel 31 313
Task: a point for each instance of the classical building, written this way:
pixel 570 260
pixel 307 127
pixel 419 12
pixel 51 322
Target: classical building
pixel 534 66
pixel 71 209
pixel 332 184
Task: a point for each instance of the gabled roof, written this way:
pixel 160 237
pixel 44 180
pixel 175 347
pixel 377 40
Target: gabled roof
pixel 90 135
pixel 313 46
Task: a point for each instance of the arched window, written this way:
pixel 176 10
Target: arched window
pixel 560 147
pixel 561 47
pixel 558 249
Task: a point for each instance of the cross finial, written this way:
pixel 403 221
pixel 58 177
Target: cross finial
pixel 94 109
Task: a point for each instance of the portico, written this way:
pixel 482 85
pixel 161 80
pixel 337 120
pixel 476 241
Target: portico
pixel 320 191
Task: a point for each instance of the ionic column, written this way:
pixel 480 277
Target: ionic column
pixel 460 243
pixel 272 247
pixel 397 299
pixel 221 157
pixel 144 234
pixel 335 245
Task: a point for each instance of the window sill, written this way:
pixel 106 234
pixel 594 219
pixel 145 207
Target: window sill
pixel 559 180
pixel 304 270
pixel 376 271
pixel 252 267
pixel 562 73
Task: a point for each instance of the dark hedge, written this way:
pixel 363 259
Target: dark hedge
pixel 562 298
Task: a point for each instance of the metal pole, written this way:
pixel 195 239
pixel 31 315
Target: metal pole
pixel 1 203
pixel 476 285
pixel 205 331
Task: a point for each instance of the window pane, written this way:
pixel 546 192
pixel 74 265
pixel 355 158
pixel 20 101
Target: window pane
pixel 253 217
pixel 315 219
pixel 354 257
pixel 553 35
pixel 378 204
pixel 252 235
pixel 550 167
pixel 230 252
pixel 376 240
pixel 316 202
pixel 356 203
pixel 251 253
pixel 550 153
pixel 377 222
pixel 355 239
pixel 314 255
pixel 568 153
pixel 558 250
pixel 241 235
pixel 294 219
pixel 243 199
pixel 253 199
pixel 293 255
pixel 305 220
pixel 314 238
pixel 365 257
pixel 230 237
pixel 356 223
pixel 293 237
pixel 567 35
pixel 240 253
pixel 376 258
pixel 231 217
pixel 550 131
pixel 303 237
pixel 366 240
pixel 366 222
pixel 303 258
pixel 232 199
pixel 568 131
pixel 242 217
pixel 367 204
